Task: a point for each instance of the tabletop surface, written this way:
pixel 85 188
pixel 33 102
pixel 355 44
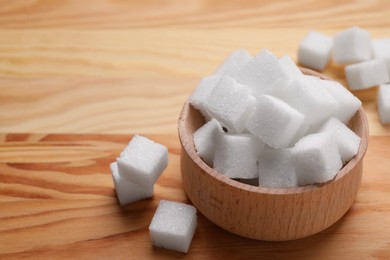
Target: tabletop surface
pixel 79 78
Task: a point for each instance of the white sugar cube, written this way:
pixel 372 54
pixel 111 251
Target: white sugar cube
pixel 316 158
pixel 352 45
pixel 367 74
pixel 383 102
pixel 234 63
pixel 314 50
pixel 143 161
pixel 309 97
pixel 236 155
pixel 263 74
pixel 277 169
pixel 204 139
pixel 230 103
pixel 173 226
pixel 202 92
pixel 381 48
pixel 274 121
pixel 126 191
pixel 348 104
pixel 290 67
pixel 347 141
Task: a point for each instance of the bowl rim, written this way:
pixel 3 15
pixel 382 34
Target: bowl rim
pixel 188 145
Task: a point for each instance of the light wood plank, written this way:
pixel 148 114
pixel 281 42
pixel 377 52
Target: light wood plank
pixel 97 14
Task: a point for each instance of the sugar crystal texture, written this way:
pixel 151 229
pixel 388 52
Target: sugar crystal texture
pixel 290 67
pixel 234 63
pixel 277 169
pixel 352 45
pixel 347 141
pixel 230 103
pixel 173 226
pixel 381 48
pixel 236 155
pixel 367 74
pixel 204 139
pixel 348 104
pixel 274 121
pixel 316 158
pixel 263 74
pixel 202 92
pixel 314 51
pixel 309 97
pixel 383 103
pixel 126 191
pixel 143 161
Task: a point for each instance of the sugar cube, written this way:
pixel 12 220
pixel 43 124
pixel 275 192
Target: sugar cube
pixel 274 121
pixel 316 158
pixel 352 45
pixel 348 104
pixel 236 155
pixel 230 103
pixel 383 103
pixel 314 50
pixel 263 74
pixel 173 226
pixel 277 169
pixel 367 74
pixel 290 67
pixel 204 140
pixel 202 92
pixel 143 161
pixel 381 48
pixel 347 141
pixel 126 191
pixel 309 97
pixel 234 63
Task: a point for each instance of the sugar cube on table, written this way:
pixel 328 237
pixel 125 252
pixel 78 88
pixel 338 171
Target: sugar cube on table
pixel 236 155
pixel 234 63
pixel 143 161
pixel 347 141
pixel 316 158
pixel 367 74
pixel 348 104
pixel 230 103
pixel 352 45
pixel 264 74
pixel 204 139
pixel 202 92
pixel 126 191
pixel 290 67
pixel 383 103
pixel 308 96
pixel 173 226
pixel 276 169
pixel 314 51
pixel 274 121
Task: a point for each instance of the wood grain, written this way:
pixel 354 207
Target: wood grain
pixel 61 204
pixel 113 14
pixel 125 81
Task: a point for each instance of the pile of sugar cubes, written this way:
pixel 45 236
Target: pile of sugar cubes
pixel 267 123
pixel 134 174
pixel 367 61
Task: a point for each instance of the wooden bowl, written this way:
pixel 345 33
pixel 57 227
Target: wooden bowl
pixel 268 213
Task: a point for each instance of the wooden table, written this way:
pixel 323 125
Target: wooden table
pixel 79 78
